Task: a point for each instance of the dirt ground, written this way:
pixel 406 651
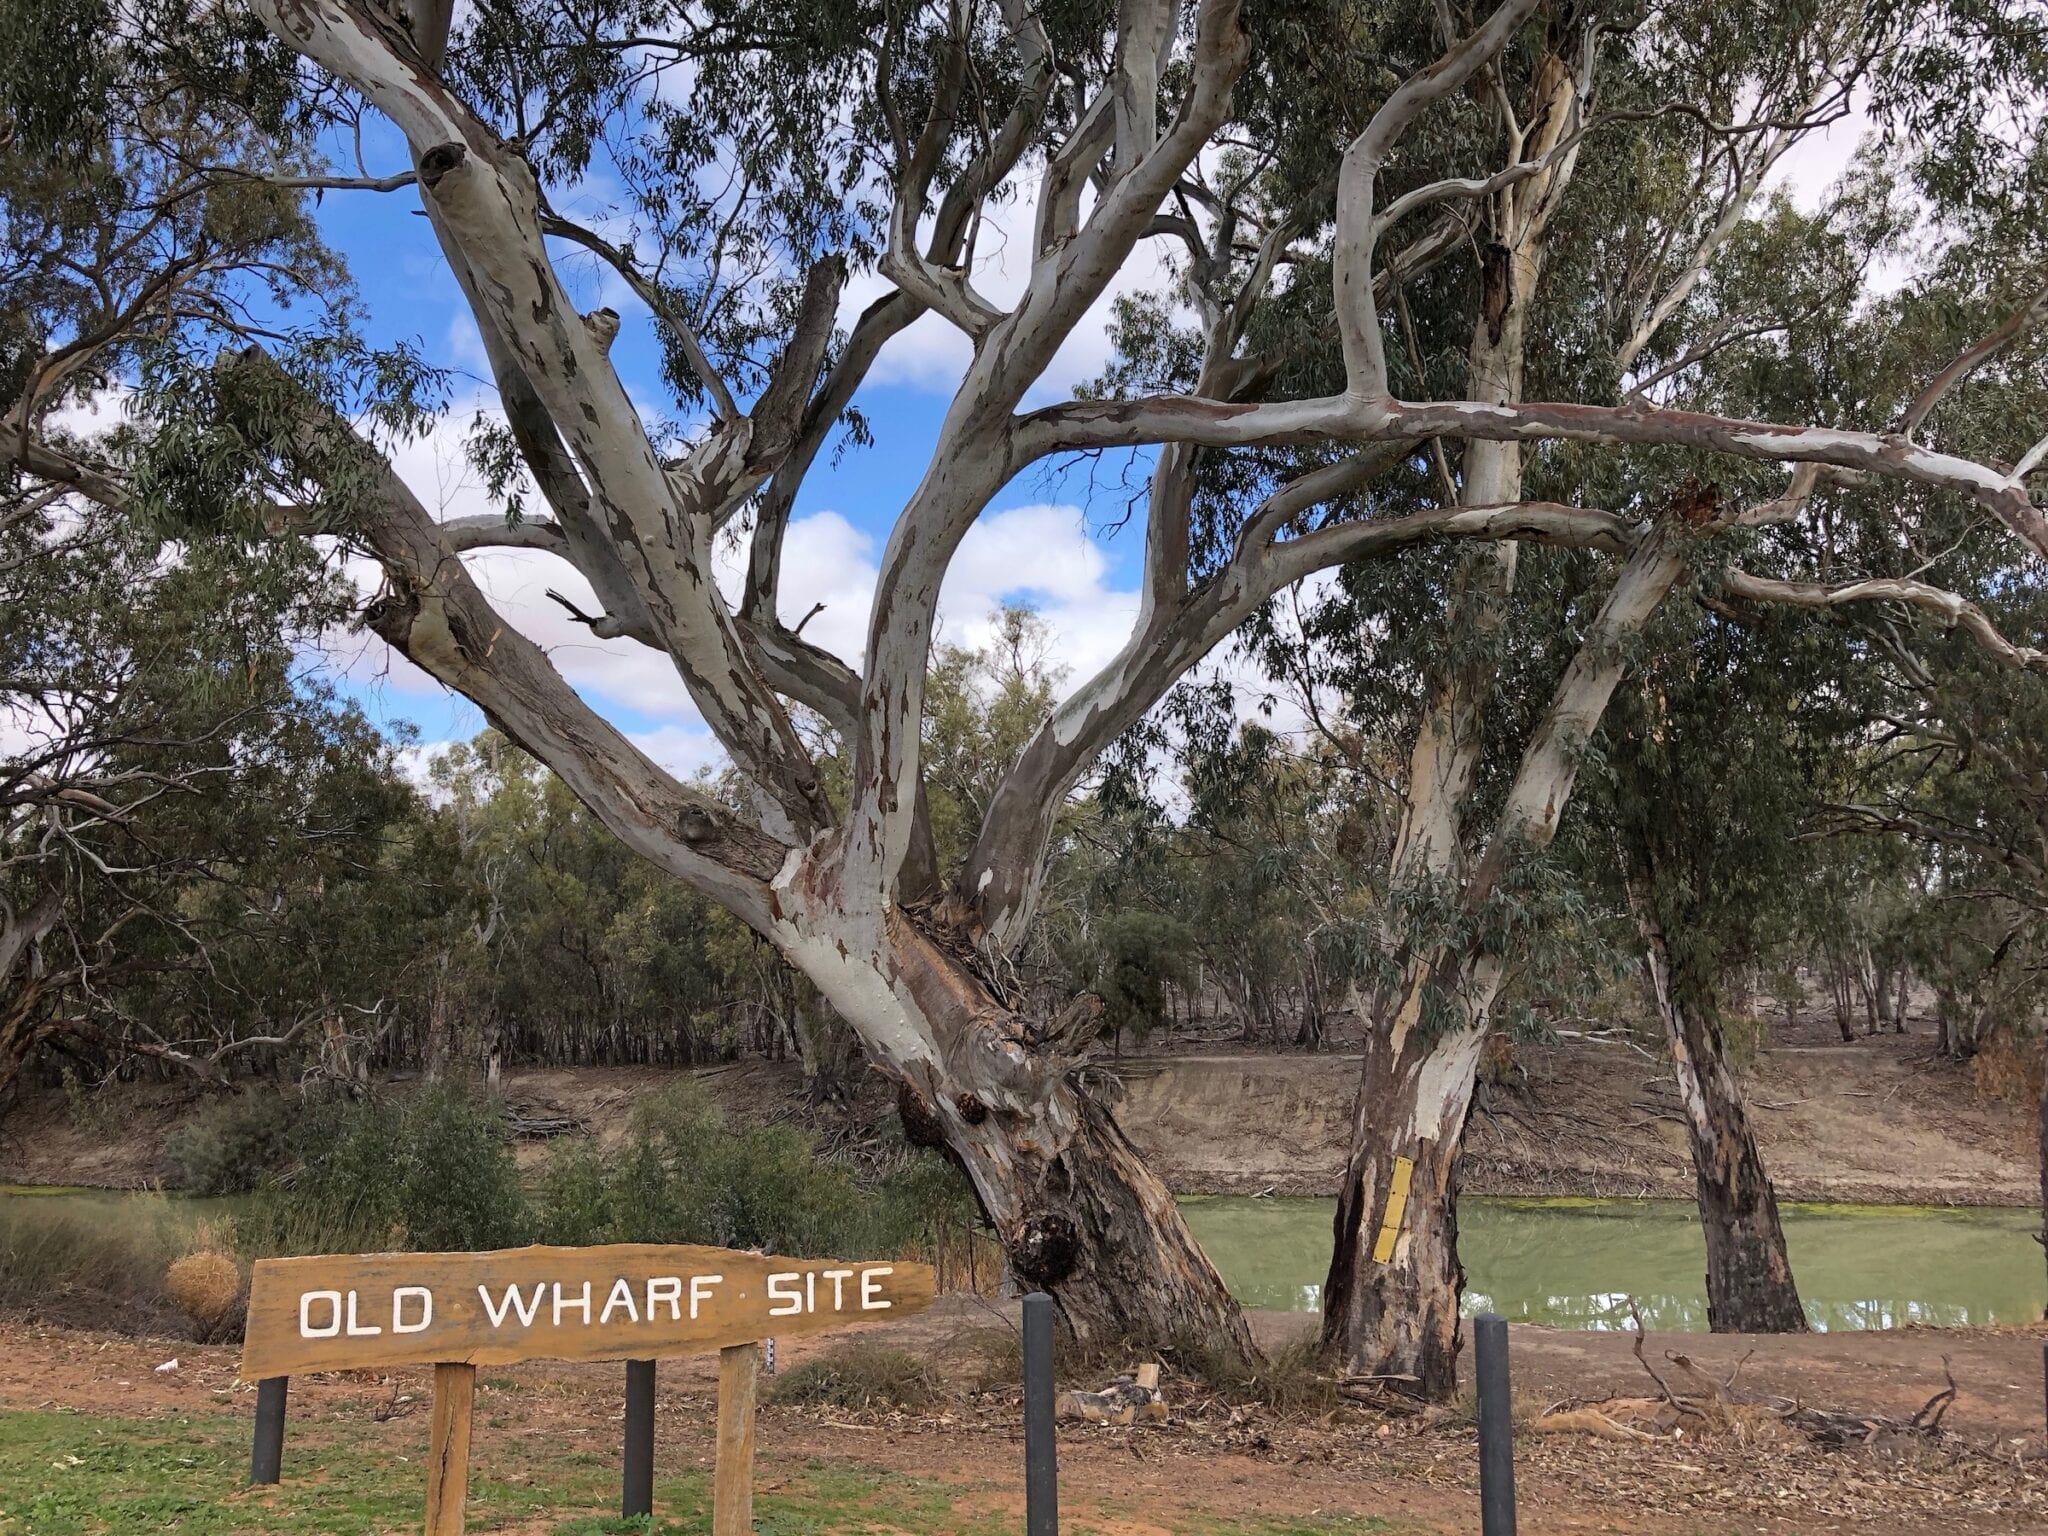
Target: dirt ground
pixel 1885 1120
pixel 1989 1473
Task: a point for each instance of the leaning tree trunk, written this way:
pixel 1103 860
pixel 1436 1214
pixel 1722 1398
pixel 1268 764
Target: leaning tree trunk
pixel 1391 1306
pixel 24 983
pixel 1749 1275
pixel 1077 1210
pixel 21 1031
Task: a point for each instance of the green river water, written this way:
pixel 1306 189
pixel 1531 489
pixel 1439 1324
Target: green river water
pixel 1575 1263
pixel 1568 1263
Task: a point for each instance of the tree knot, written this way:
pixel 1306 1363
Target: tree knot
pixel 439 161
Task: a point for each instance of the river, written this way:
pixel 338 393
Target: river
pixel 1568 1263
pixel 1576 1263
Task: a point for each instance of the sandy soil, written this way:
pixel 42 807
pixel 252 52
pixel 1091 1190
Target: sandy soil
pixel 1988 1475
pixel 1885 1120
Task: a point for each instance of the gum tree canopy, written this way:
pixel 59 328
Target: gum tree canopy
pixel 1315 170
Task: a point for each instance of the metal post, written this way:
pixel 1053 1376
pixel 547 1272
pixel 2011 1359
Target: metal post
pixel 637 1497
pixel 1041 1463
pixel 1496 1428
pixel 266 1455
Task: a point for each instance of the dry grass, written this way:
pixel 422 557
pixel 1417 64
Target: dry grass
pixel 1293 1381
pixel 89 1264
pixel 205 1285
pixel 860 1376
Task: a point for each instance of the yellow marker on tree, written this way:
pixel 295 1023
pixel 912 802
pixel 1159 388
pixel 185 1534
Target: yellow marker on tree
pixel 1397 1207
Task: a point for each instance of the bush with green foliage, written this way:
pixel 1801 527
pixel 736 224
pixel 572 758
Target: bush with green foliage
pixel 231 1145
pixel 686 1175
pixel 433 1170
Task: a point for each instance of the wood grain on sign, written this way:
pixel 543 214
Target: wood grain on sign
pixel 732 1477
pixel 629 1301
pixel 448 1448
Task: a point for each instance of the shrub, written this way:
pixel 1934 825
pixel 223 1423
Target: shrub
pixel 431 1171
pixel 861 1375
pixel 205 1285
pixel 436 1171
pixel 228 1148
pixel 927 1212
pixel 685 1175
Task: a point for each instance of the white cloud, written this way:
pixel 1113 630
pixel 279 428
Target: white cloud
pixel 1040 554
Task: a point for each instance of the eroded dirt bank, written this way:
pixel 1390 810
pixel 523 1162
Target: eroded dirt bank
pixel 1882 1121
pixel 1885 1120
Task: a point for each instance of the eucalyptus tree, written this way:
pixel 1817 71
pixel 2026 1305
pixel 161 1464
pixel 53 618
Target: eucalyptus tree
pixel 1672 303
pixel 1312 161
pixel 184 815
pixel 1698 824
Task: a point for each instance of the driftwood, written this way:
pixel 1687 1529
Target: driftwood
pixel 541 1122
pixel 1397 1395
pixel 1124 1401
pixel 1699 1404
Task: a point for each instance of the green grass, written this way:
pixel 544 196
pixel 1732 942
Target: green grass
pixel 70 1475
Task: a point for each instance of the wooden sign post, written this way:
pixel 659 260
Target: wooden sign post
pixel 630 1301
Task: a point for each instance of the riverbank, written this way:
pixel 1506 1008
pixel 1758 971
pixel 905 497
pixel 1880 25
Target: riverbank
pixel 1884 1121
pixel 95 1440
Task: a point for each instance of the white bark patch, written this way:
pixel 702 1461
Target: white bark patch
pixel 853 980
pixel 1444 1085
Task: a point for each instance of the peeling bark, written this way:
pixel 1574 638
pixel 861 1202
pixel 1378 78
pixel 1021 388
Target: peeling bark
pixel 1390 1305
pixel 1391 1302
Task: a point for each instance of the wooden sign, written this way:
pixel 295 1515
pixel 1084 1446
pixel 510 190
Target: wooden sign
pixel 630 1301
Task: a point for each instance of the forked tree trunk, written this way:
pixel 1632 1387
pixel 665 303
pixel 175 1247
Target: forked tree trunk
pixel 1077 1211
pixel 1749 1275
pixel 1390 1306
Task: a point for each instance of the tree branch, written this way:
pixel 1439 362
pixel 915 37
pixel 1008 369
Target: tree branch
pixel 1952 608
pixel 1971 358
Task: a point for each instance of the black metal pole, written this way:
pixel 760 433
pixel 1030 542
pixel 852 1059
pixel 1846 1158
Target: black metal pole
pixel 1496 1428
pixel 1041 1457
pixel 266 1455
pixel 637 1497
